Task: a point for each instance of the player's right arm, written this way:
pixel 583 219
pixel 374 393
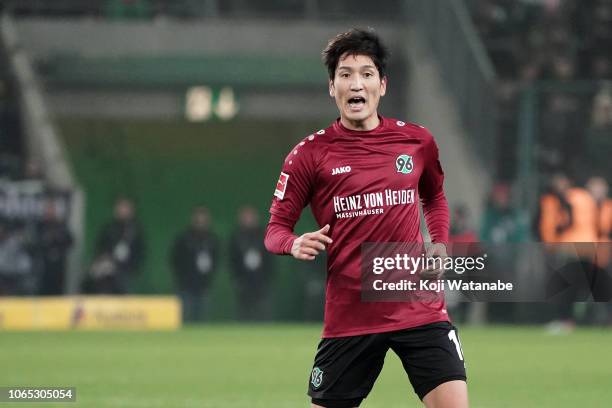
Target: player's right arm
pixel 293 191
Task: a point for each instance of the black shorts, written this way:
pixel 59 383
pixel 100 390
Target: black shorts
pixel 346 368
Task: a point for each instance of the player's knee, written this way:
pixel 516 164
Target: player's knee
pixel 450 394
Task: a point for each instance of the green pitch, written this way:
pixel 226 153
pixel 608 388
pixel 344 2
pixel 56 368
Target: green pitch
pixel 268 366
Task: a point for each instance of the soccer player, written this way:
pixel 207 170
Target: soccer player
pixel 361 153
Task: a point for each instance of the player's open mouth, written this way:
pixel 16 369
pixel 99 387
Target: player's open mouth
pixel 356 103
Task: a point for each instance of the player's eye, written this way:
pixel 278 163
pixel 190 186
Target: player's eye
pixel 344 75
pixel 368 75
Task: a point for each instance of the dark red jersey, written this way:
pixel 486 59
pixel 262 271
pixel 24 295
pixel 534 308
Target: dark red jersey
pixel 367 185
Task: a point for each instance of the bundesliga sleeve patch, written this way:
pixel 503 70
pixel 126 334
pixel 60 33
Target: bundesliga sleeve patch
pixel 281 186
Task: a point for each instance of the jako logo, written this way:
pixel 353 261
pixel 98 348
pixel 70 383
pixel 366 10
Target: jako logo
pixel 341 170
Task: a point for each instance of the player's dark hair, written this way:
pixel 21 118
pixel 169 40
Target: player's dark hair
pixel 356 41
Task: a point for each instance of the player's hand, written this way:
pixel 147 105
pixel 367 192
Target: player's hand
pixel 309 245
pixel 437 250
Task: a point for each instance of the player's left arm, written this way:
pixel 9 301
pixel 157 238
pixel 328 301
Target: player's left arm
pixel 435 206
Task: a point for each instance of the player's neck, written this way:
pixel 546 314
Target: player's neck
pixel 365 125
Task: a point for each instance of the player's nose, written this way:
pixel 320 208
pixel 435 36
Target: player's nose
pixel 356 84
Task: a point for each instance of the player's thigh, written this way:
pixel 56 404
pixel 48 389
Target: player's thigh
pixel 345 369
pixel 431 356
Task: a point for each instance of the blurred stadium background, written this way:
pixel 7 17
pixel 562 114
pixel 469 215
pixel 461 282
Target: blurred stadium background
pixel 181 112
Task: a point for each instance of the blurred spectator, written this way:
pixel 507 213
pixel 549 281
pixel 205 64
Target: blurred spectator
pixel 463 233
pixel 502 228
pixel 501 223
pixel 461 229
pixel 16 265
pixel 569 216
pixel 194 258
pixel 567 213
pixel 598 187
pixel 552 217
pixel 53 240
pixel 602 109
pixel 554 214
pixel 119 251
pixel 252 266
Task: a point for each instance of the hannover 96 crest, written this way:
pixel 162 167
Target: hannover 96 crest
pixel 316 378
pixel 403 163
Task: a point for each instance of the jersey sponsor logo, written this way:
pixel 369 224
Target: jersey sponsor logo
pixel 373 203
pixel 404 164
pixel 281 186
pixel 341 170
pixel 316 378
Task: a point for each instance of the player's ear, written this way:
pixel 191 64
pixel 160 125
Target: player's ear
pixel 383 86
pixel 332 88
